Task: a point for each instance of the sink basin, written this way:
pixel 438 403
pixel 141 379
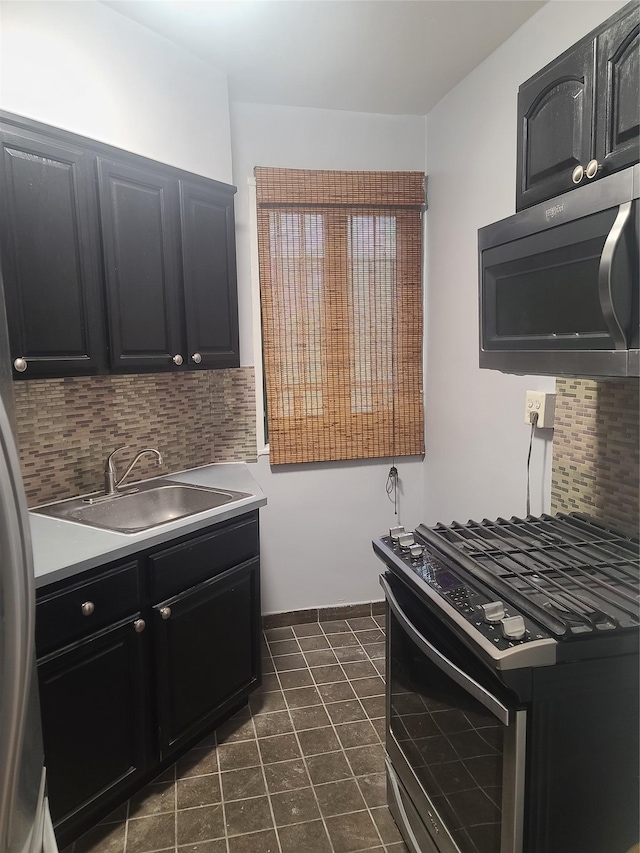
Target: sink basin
pixel 147 506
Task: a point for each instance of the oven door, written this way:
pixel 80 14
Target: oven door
pixel 455 738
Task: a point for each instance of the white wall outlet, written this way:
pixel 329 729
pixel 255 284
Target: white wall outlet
pixel 544 405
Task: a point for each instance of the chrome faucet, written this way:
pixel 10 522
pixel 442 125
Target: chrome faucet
pixel 111 483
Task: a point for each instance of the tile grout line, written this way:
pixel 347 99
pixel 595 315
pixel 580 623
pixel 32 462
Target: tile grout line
pixel 266 787
pixel 304 758
pixel 364 710
pixel 175 805
pixel 126 826
pixel 341 749
pixel 224 812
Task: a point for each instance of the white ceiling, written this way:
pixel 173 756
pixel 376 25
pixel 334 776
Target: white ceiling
pixel 398 57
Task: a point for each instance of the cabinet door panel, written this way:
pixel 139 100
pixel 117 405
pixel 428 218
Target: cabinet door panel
pixel 209 275
pixel 140 243
pixel 618 100
pixel 49 260
pixel 93 701
pixel 207 652
pixel 555 112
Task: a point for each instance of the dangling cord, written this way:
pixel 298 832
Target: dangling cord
pixel 392 487
pixel 392 476
pixel 534 421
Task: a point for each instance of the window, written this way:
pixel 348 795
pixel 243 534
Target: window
pixel 341 301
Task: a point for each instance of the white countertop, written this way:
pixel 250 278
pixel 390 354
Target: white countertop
pixel 62 548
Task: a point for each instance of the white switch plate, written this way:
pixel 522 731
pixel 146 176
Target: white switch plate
pixel 542 403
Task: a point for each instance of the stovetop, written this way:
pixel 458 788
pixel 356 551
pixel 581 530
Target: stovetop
pixel 525 582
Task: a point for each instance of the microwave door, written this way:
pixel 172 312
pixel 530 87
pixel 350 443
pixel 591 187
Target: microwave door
pixel 559 301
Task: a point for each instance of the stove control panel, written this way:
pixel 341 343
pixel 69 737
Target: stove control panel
pixel 502 624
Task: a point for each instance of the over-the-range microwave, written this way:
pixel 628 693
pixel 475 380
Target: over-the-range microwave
pixel 559 284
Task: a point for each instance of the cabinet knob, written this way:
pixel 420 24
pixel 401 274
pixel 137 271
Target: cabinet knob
pixel 177 359
pixel 196 357
pixel 20 365
pixel 593 167
pixel 87 608
pixel 165 612
pixel 577 175
pixel 139 625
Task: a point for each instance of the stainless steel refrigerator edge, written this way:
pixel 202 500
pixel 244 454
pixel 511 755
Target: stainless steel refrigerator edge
pixel 25 823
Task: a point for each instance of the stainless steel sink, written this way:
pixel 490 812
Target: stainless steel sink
pixel 134 510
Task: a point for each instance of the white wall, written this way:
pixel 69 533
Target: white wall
pixel 81 66
pixel 317 528
pixel 477 440
pixel 85 68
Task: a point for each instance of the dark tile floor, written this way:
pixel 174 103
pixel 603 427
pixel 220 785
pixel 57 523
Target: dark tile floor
pixel 300 770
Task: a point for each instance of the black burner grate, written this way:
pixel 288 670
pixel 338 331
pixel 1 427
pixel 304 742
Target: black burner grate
pixel 573 574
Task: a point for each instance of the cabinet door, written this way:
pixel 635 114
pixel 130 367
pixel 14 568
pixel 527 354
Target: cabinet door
pixel 48 223
pixel 207 653
pixel 618 99
pixel 93 699
pixel 209 275
pixel 138 209
pixel 555 126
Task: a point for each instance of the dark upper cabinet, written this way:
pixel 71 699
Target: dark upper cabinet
pixel 50 265
pixel 112 261
pixel 555 118
pixel 579 110
pixel 141 262
pixel 209 275
pixel 618 98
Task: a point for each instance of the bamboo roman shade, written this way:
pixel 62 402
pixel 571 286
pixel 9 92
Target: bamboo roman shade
pixel 341 297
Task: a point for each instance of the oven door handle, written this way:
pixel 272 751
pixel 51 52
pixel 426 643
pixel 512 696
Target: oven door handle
pixel 455 673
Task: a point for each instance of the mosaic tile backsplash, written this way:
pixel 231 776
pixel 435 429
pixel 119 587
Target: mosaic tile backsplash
pixel 596 450
pixel 67 427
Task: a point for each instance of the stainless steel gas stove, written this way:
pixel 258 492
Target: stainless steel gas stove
pixel 512 685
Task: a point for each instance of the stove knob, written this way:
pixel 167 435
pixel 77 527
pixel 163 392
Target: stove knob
pixel 394 533
pixel 493 611
pixel 416 552
pixel 405 541
pixel 513 627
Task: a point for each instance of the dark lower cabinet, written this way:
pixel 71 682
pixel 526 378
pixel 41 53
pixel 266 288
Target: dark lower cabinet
pixel 121 703
pixel 94 701
pixel 207 643
pixel 583 108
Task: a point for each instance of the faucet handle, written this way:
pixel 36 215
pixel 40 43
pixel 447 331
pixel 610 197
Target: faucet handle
pixel 110 471
pixel 113 453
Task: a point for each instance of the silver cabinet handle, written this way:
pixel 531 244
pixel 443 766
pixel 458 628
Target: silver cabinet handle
pixel 593 167
pixel 196 357
pixel 165 612
pixel 177 359
pixel 577 175
pixel 87 608
pixel 139 625
pixel 20 365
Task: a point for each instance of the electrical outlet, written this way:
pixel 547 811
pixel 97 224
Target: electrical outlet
pixel 544 405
